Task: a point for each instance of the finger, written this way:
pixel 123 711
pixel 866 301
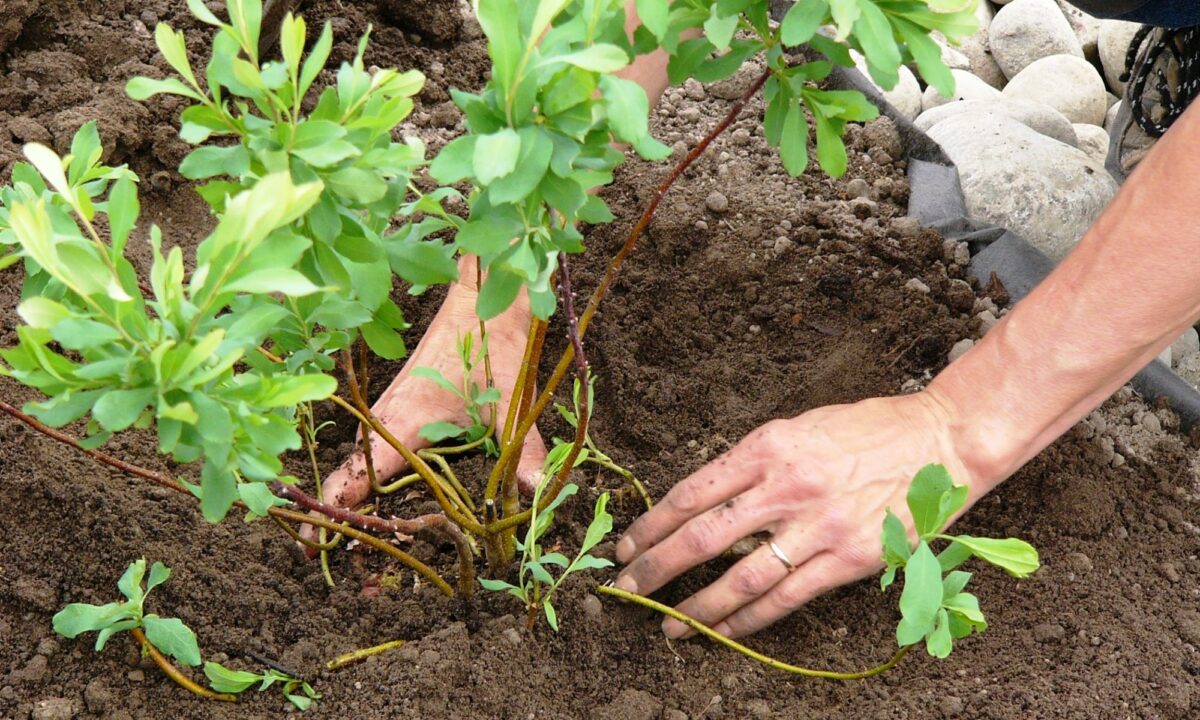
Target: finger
pixel 699 539
pixel 820 574
pixel 533 459
pixel 747 581
pixel 715 483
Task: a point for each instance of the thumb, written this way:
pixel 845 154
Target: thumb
pixel 529 466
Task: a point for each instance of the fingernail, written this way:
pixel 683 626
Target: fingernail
pixel 723 629
pixel 626 549
pixel 626 583
pixel 674 629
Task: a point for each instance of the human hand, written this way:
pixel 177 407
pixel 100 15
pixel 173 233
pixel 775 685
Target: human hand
pixel 411 402
pixel 819 484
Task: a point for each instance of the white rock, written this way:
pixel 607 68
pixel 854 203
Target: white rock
pixel 1015 177
pixel 1093 140
pixel 1025 31
pixel 1111 117
pixel 1066 83
pixel 952 56
pixel 1164 357
pixel 1187 344
pixel 1086 27
pixel 966 87
pixel 1041 118
pixel 905 97
pixel 984 14
pixel 983 65
pixel 959 349
pixel 1113 44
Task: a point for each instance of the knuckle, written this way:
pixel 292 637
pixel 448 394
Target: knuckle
pixel 791 595
pixel 698 538
pixel 859 552
pixel 683 498
pixel 752 580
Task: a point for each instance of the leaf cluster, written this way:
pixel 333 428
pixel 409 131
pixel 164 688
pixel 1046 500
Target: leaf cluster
pixel 169 635
pixel 536 584
pixel 933 604
pixel 225 680
pixel 888 33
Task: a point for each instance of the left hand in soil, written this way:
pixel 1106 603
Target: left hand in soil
pixel 819 484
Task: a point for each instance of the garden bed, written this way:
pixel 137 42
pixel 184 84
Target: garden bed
pixel 715 326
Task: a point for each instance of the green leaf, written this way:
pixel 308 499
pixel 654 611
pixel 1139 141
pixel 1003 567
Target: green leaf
pixel 874 33
pixel 831 150
pixel 896 548
pixel 173 46
pixel 496 585
pixel 598 58
pixel 291 283
pixel 939 643
pixel 802 20
pixel 50 165
pixel 436 376
pixel 496 155
pixel 123 209
pixel 118 409
pixel 719 30
pixel 173 638
pixel 79 334
pixel 845 13
pixel 557 559
pixel 224 680
pixel 922 596
pixel 456 160
pixel 954 582
pixel 292 390
pixel 499 20
pixel 928 55
pixel 532 163
pixel 793 143
pixel 966 605
pixel 203 14
pixel 924 497
pixel 209 161
pixel 954 555
pixel 130 583
pixel 488 235
pixel 316 60
pixel 601 525
pixel 258 497
pixel 383 340
pixel 589 562
pixel 158 575
pixel 218 490
pixel 291 42
pixel 951 502
pixel 78 618
pixel 42 312
pixel 144 88
pixel 327 154
pixel 359 185
pixel 655 15
pixel 539 573
pixel 423 263
pixel 627 107
pixel 499 290
pixel 1016 557
pixel 436 432
pixel 551 615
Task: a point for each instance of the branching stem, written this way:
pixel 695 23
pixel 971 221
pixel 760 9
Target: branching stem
pixel 560 371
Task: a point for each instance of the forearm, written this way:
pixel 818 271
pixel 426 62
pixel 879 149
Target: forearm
pixel 1127 291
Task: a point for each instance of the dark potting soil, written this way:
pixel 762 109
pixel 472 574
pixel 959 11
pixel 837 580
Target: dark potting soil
pixel 792 297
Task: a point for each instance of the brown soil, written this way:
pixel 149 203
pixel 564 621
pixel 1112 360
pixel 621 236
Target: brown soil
pixel 716 326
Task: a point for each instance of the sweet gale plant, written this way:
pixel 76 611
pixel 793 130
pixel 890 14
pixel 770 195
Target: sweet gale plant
pixel 323 208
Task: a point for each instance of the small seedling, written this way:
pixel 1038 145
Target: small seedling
pixel 225 680
pixel 475 399
pixel 535 584
pixel 169 635
pixel 933 605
